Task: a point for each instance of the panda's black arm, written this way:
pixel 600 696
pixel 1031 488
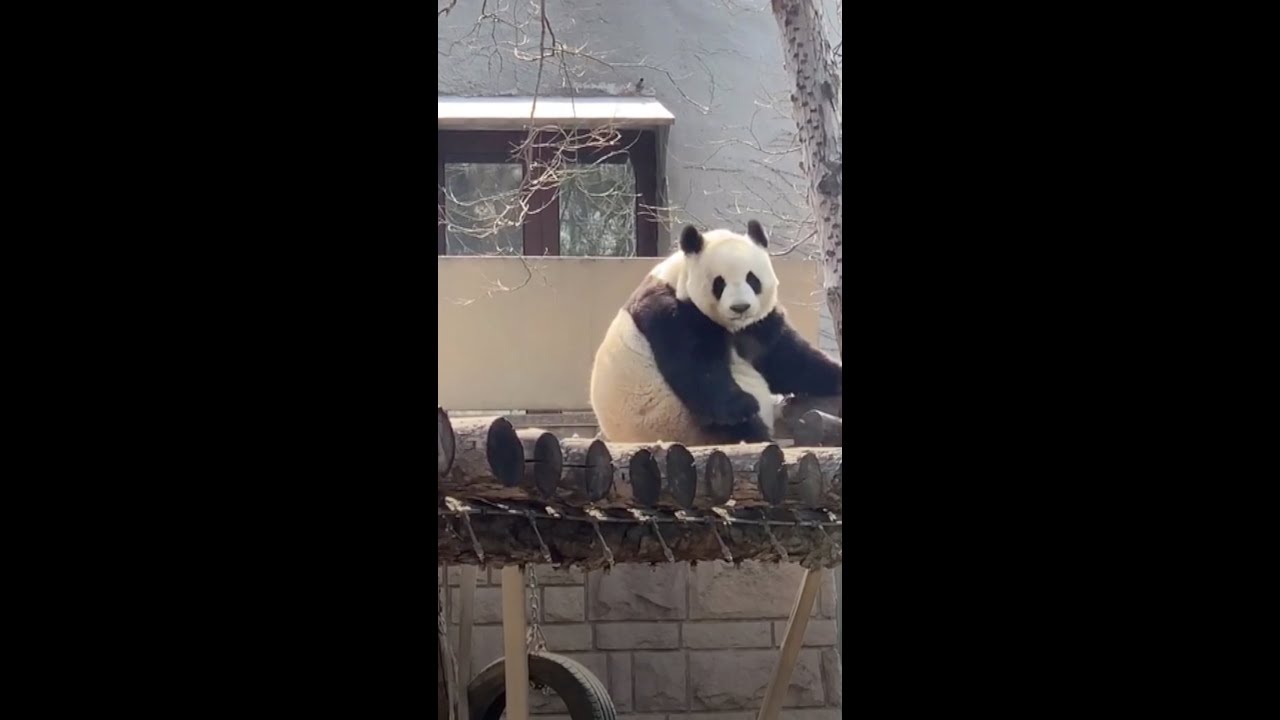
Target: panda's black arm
pixel 788 363
pixel 692 353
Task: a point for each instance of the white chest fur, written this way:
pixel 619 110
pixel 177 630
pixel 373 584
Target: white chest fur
pixel 752 382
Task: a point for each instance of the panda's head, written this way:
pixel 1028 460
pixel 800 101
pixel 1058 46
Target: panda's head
pixel 729 276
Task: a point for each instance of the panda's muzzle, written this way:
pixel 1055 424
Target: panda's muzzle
pixel 740 308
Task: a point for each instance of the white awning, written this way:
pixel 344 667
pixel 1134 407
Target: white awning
pixel 513 113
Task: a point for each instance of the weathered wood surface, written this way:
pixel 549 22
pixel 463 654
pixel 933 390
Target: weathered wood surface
pixel 488 460
pixel 509 540
pixel 494 461
pixel 543 462
pixel 818 429
pixel 588 471
pixel 444 442
pixel 788 412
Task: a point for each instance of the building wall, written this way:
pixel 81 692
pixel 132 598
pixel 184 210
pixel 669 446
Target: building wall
pixel 715 64
pixel 522 333
pixel 674 641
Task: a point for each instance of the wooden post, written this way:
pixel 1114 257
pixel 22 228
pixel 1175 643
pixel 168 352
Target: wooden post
pixel 839 619
pixel 515 650
pixel 466 618
pixel 791 643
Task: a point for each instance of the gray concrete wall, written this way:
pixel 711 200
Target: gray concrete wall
pixel 716 64
pixel 675 641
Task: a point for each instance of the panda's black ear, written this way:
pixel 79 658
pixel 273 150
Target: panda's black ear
pixel 691 240
pixel 755 232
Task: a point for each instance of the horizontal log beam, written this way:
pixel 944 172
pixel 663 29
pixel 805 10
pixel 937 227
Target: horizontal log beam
pixel 494 461
pixel 507 539
pixel 818 429
pixel 788 412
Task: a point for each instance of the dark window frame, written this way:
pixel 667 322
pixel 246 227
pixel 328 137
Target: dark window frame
pixel 541 231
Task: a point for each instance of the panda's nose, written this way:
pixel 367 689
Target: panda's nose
pixel 740 307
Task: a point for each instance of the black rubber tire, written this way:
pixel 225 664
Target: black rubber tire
pixel 583 693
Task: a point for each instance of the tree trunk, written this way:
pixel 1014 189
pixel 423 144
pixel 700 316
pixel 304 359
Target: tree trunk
pixel 815 103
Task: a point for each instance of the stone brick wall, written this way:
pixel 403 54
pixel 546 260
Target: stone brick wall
pixel 673 641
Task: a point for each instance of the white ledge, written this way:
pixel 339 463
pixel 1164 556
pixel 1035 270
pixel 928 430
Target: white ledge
pixel 516 113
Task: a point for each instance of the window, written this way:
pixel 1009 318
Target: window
pixel 599 203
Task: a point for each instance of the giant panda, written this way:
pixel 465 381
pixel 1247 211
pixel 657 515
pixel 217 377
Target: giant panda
pixel 701 347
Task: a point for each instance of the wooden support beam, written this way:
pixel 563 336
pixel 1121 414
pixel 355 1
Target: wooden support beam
pixel 466 620
pixel 515 649
pixel 791 644
pixel 511 539
pixel 448 673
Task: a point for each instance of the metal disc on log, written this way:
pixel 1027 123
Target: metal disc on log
pixel 445 444
pixel 804 478
pixel 682 477
pixel 715 477
pixel 588 470
pixel 641 476
pixel 488 460
pixel 772 475
pixel 544 461
pixel 505 453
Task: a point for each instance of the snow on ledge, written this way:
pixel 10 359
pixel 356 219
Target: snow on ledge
pixel 513 113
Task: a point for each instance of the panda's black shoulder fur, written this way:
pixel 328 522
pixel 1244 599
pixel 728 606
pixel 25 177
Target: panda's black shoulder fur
pixel 692 353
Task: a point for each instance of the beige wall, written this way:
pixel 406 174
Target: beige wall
pixel 521 334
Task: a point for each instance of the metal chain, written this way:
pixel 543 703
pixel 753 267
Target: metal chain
pixel 534 639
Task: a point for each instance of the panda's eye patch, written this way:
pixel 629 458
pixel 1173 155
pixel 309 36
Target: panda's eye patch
pixel 717 287
pixel 753 281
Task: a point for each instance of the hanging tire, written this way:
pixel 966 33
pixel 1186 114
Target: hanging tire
pixel 582 693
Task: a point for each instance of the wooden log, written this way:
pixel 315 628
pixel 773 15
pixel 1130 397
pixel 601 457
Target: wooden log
pixel 488 461
pixel 669 476
pixel 637 478
pixel 789 410
pixel 588 471
pixel 813 478
pixel 508 540
pixel 633 475
pixel 818 429
pixel 444 442
pixel 543 462
pixel 759 474
pixel 715 477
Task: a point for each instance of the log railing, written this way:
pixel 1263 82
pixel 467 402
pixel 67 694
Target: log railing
pixel 489 459
pixel 518 495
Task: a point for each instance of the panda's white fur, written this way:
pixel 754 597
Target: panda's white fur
pixel 632 400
